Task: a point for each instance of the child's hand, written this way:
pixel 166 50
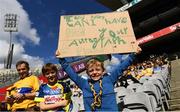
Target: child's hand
pixel 57 53
pixel 61 60
pixel 9 99
pixel 138 50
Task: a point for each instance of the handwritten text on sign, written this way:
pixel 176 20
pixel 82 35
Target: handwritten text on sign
pixel 95 34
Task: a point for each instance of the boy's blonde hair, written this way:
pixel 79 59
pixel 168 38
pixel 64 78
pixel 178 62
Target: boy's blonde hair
pixel 93 62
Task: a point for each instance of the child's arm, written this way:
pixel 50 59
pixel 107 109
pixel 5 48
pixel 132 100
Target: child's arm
pixel 71 73
pixel 118 70
pixel 56 105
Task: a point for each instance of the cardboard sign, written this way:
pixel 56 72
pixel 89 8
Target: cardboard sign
pixel 95 34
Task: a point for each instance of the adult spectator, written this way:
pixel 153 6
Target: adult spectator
pixel 127 79
pixel 20 96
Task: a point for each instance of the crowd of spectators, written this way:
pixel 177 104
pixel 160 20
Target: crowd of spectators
pixel 154 72
pixel 133 74
pixel 149 67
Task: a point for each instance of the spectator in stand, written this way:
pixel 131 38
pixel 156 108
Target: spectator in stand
pixel 127 79
pixel 148 69
pixel 157 66
pixel 55 95
pixel 132 70
pixel 98 90
pixel 76 91
pixel 20 96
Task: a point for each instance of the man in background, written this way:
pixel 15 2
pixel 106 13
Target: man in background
pixel 20 96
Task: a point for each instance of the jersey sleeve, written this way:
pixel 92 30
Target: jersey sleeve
pixel 40 94
pixel 35 84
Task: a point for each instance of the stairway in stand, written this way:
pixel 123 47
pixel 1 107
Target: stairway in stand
pixel 175 86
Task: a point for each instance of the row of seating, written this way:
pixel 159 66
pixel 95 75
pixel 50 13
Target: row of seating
pixel 151 94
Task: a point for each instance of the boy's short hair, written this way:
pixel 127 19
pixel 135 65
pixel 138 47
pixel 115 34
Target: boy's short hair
pixel 48 67
pixel 93 62
pixel 22 62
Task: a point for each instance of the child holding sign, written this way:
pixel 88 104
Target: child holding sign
pixel 98 90
pixel 55 95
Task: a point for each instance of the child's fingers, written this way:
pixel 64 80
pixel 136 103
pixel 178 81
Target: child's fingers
pixel 138 50
pixel 57 53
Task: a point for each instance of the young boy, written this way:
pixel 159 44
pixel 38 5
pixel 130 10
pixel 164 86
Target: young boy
pixel 98 90
pixel 55 95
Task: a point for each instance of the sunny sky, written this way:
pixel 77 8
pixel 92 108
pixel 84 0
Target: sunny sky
pixel 38 27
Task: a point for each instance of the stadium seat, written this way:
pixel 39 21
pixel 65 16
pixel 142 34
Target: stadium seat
pixel 121 92
pixel 137 101
pixel 154 94
pixel 133 86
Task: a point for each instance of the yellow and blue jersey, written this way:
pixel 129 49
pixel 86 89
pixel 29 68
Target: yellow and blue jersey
pixel 26 85
pixel 51 94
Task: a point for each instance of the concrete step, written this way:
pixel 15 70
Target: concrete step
pixel 175 107
pixel 175 94
pixel 174 101
pixel 175 86
pixel 175 82
pixel 175 78
pixel 175 89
